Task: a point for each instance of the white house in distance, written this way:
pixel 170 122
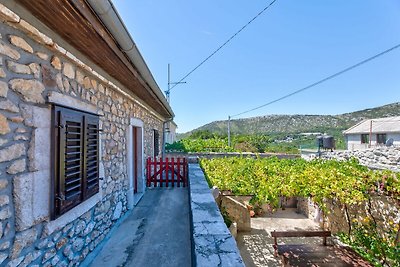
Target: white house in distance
pixel 373 132
pixel 170 132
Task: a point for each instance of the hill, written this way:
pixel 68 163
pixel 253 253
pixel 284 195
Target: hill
pixel 293 124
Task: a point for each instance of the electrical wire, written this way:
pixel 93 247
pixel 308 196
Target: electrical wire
pixel 221 46
pixel 321 81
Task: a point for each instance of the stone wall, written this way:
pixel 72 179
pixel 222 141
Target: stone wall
pixel 237 211
pixel 194 157
pixel 308 208
pixel 212 243
pixel 378 158
pixel 35 71
pixel 384 210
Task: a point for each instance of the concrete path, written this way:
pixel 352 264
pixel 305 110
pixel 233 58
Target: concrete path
pixel 256 246
pixel 156 233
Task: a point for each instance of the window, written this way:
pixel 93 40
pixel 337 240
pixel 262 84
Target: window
pixel 364 138
pixel 381 138
pixel 75 156
pixel 156 136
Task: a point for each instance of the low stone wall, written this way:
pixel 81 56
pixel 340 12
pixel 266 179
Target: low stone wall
pixel 212 243
pixel 384 210
pixel 377 158
pixel 194 157
pixel 237 211
pixel 307 207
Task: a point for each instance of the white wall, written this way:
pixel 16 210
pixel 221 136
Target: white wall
pixel 170 136
pixel 354 141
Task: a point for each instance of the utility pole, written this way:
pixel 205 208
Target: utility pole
pixel 229 131
pixel 168 91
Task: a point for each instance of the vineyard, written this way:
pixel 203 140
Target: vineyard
pixel 257 143
pixel 200 145
pixel 347 182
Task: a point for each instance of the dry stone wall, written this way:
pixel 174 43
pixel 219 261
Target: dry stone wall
pixel 339 217
pixel 384 210
pixel 379 157
pixel 237 211
pixel 33 71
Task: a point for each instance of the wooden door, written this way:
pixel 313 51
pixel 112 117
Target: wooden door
pixel 135 144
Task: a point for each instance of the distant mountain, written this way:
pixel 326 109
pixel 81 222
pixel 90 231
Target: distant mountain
pixel 292 124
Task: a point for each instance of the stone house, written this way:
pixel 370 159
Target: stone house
pixel 373 133
pixel 79 113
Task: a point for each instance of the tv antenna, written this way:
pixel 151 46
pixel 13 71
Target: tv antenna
pixel 168 91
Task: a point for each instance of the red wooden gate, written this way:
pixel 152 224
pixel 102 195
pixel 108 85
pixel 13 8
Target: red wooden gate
pixel 167 172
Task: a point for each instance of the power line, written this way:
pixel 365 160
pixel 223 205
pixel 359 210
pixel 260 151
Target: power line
pixel 219 48
pixel 321 81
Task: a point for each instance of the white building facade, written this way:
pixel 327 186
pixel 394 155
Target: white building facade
pixel 373 132
pixel 170 132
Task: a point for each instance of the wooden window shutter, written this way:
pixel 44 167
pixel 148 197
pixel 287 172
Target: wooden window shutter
pixel 70 160
pixel 76 158
pixel 91 160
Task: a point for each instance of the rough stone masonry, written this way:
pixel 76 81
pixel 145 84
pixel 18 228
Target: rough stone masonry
pixel 378 157
pixel 33 72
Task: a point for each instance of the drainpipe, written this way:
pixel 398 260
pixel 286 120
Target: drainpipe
pixel 107 13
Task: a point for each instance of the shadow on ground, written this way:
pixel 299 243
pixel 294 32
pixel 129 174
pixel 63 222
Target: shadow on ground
pixel 256 246
pixel 156 233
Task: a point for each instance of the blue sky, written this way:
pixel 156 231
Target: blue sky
pixel 291 45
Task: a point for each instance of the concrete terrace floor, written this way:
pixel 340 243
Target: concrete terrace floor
pixel 156 233
pixel 256 246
